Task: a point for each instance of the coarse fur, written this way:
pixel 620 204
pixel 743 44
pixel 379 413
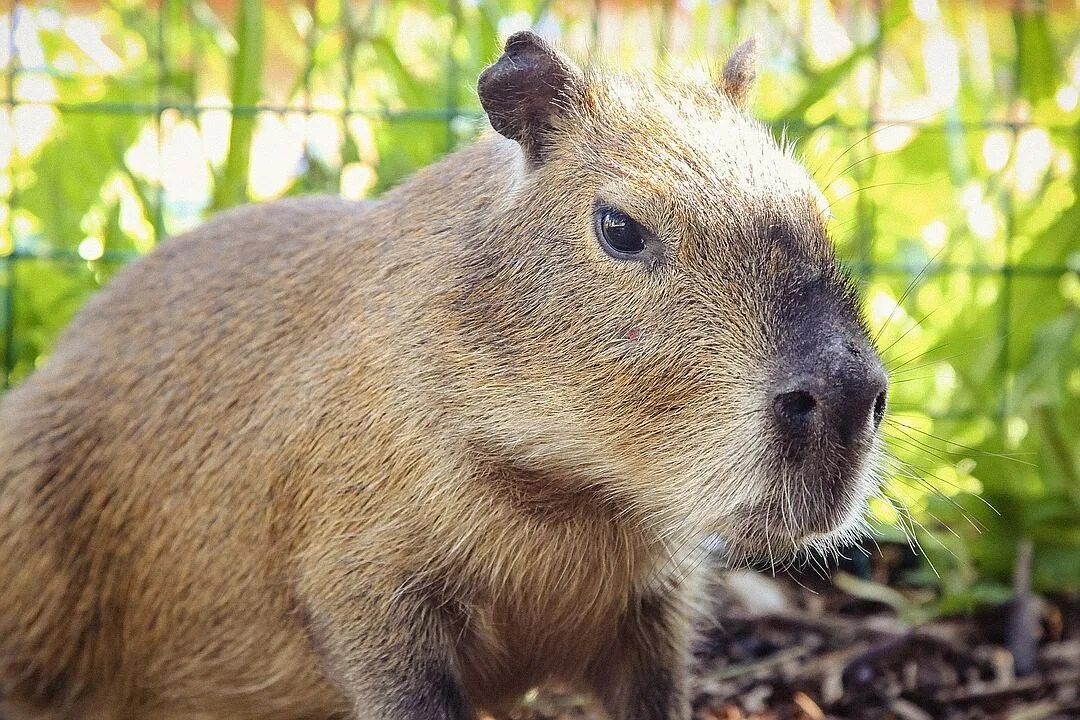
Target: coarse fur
pixel 407 459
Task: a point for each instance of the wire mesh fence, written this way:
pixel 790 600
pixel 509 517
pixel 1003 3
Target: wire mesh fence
pixel 945 138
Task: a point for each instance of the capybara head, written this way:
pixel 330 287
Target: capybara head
pixel 659 309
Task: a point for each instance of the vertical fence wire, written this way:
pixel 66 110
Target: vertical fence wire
pixel 873 117
pixel 1005 299
pixel 159 123
pixel 311 40
pixel 11 256
pixel 452 75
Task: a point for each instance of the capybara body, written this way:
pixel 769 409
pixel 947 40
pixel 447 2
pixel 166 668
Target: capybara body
pixel 408 459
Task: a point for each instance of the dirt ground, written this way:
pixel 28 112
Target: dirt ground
pixel 802 648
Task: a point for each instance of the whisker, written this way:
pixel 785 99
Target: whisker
pixel 937 361
pixel 932 181
pixel 872 156
pixel 981 499
pixel 860 141
pixel 900 471
pixel 914 379
pixel 909 533
pixel 907 291
pixel 921 551
pixel 929 512
pixel 918 323
pixel 1003 456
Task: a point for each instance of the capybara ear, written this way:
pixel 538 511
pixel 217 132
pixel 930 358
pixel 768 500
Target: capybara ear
pixel 527 88
pixel 739 72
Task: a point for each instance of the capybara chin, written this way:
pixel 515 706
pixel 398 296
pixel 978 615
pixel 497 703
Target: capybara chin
pixel 406 459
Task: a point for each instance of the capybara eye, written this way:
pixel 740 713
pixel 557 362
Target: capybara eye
pixel 620 236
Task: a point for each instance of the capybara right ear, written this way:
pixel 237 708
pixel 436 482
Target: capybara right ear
pixel 740 71
pixel 523 92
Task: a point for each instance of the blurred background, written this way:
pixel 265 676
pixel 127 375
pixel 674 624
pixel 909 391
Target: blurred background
pixel 945 135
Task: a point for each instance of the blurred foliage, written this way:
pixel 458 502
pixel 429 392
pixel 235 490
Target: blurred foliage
pixel 946 139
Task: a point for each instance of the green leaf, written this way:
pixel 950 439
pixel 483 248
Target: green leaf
pixel 1036 59
pixel 71 168
pixel 246 91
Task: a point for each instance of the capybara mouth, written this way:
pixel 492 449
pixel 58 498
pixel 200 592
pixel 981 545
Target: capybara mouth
pixel 799 513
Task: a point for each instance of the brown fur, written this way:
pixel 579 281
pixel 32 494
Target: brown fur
pixel 407 459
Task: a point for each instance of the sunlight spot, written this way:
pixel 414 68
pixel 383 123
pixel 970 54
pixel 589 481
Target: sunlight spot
pixel 214 127
pixel 889 138
pixel 1074 382
pixel 996 150
pixel 1033 155
pixel 328 101
pixel 276 153
pixel 66 63
pixel 906 491
pixel 87 36
pixel 27 47
pixel 49 18
pixel 34 125
pixel 1069 285
pixel 35 87
pixel 413 34
pixel 971 195
pixel 512 23
pixel 1016 429
pixel 820 144
pixel 969 483
pixel 21 223
pixel 986 294
pixel 945 480
pixel 357 180
pixel 883 308
pixel 945 379
pixel 5 145
pixel 828 38
pixel 930 295
pixel 935 234
pixel 941 58
pixel 133 222
pixel 186 179
pixel 5 47
pixel 981 218
pixel 926 10
pixel 363 134
pixel 1067 98
pixel 883 511
pixel 323 135
pixel 962 480
pixel 301 19
pixel 982 221
pixel 1063 163
pixel 840 189
pixel 141 156
pixel 91 249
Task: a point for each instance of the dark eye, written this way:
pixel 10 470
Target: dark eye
pixel 619 234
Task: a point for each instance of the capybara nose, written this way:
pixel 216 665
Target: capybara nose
pixel 837 394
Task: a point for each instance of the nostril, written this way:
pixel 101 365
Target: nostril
pixel 879 408
pixel 795 406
